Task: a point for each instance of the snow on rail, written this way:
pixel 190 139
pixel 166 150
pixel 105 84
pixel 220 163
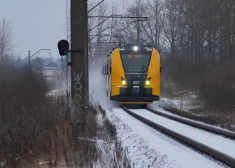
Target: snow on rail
pixel 219 143
pixel 209 128
pixel 148 147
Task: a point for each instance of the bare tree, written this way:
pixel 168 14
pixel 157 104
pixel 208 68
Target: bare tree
pixel 98 34
pixel 131 30
pixel 37 64
pixel 6 45
pixel 153 28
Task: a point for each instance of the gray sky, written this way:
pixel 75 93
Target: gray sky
pixel 37 24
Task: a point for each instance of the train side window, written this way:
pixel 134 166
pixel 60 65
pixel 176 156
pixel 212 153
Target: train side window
pixel 108 72
pixel 107 69
pixel 110 68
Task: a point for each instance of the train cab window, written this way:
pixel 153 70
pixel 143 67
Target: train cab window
pixel 136 62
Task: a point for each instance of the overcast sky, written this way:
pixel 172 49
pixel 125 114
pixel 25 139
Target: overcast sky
pixel 37 24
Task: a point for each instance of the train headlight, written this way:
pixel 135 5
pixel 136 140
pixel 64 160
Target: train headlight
pixel 147 82
pixel 124 82
pixel 135 48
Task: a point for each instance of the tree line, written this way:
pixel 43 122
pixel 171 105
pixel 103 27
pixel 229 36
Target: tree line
pixel 193 30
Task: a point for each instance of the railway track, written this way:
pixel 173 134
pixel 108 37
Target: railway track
pixel 214 130
pixel 217 155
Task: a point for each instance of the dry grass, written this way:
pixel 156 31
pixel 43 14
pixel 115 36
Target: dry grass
pixel 96 142
pixel 32 125
pixel 37 128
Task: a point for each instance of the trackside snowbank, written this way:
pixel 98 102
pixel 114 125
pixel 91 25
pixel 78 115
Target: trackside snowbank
pixel 140 152
pixel 145 146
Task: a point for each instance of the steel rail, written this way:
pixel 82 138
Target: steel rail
pixel 228 160
pixel 214 130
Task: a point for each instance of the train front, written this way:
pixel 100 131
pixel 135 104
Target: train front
pixel 135 74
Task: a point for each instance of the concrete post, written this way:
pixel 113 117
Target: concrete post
pixel 86 59
pixel 79 58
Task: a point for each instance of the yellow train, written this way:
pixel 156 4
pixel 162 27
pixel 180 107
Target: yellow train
pixel 132 74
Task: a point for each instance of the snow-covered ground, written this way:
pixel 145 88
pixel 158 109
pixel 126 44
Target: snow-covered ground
pixel 226 146
pixel 186 104
pixel 56 92
pixel 159 109
pixel 150 148
pixel 146 147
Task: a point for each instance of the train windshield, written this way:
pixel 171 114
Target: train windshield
pixel 136 62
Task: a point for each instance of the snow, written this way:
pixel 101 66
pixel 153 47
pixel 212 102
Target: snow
pixel 219 143
pixel 44 163
pixel 2 164
pixel 146 146
pixel 56 92
pixel 187 103
pixel 155 107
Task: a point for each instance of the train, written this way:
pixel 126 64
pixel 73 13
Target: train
pixel 131 74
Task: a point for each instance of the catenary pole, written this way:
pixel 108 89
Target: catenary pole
pixel 79 59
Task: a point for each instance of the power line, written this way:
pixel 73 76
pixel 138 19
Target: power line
pixel 100 32
pixel 120 17
pixel 116 16
pixel 95 6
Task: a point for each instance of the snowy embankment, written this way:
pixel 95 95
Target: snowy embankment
pixel 186 104
pixel 190 107
pixel 159 109
pixel 56 92
pixel 217 142
pixel 146 147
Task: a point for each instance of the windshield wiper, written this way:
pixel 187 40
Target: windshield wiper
pixel 141 71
